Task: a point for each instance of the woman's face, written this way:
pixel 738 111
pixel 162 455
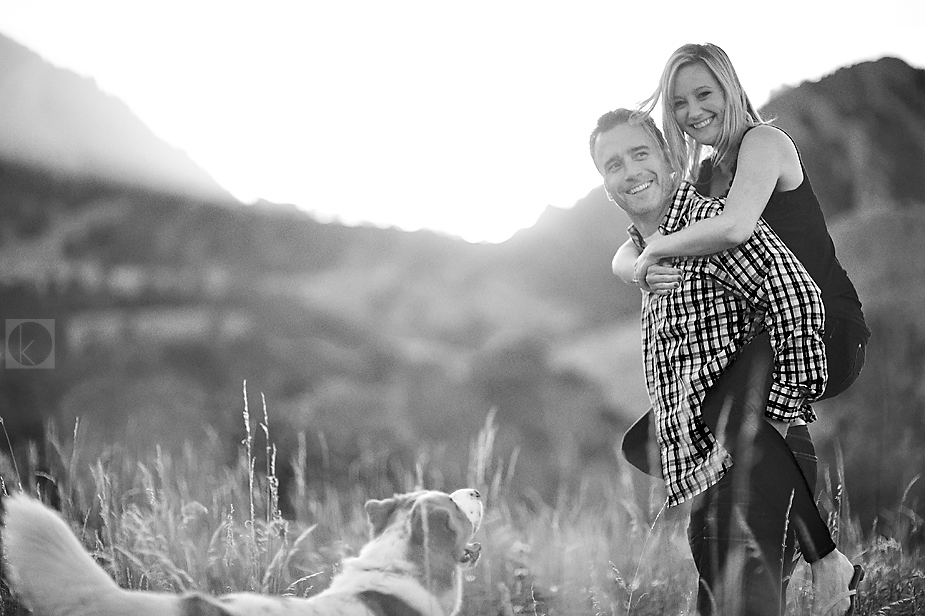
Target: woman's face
pixel 698 102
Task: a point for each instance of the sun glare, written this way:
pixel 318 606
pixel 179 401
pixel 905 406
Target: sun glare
pixel 375 112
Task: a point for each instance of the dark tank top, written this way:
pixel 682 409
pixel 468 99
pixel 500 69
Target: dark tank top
pixel 796 216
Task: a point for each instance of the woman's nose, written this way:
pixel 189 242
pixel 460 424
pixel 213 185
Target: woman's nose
pixel 693 109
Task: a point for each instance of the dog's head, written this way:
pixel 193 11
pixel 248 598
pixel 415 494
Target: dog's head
pixel 436 525
pixel 420 545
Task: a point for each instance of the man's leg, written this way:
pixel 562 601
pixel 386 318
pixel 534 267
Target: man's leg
pixel 640 447
pixel 736 535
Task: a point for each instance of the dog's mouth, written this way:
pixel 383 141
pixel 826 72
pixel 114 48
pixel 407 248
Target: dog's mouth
pixel 471 553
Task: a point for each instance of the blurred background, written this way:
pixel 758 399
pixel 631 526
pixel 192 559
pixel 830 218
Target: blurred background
pixel 382 331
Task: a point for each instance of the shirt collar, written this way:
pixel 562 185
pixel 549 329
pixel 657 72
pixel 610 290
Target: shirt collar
pixel 675 217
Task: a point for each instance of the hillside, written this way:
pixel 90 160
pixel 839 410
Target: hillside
pixel 59 121
pixel 166 300
pixel 861 131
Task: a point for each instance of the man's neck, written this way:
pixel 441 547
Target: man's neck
pixel 648 223
pixel 647 227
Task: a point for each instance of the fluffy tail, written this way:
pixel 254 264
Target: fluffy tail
pixel 52 573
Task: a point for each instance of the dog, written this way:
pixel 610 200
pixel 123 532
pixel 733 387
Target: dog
pixel 412 566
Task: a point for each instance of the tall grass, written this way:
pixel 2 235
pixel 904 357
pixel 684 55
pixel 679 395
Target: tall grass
pixel 178 522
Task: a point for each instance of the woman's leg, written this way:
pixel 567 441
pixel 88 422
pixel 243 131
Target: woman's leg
pixel 745 387
pixel 804 450
pixel 845 352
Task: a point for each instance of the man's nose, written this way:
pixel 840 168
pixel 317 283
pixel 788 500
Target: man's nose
pixel 633 169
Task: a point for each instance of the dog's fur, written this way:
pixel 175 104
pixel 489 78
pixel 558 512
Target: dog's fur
pixel 412 566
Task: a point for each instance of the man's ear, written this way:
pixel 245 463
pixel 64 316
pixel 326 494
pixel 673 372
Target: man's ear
pixel 378 512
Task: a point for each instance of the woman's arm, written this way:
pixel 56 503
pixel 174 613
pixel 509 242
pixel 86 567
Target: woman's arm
pixel 765 157
pixel 660 279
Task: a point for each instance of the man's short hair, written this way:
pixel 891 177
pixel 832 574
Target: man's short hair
pixel 615 118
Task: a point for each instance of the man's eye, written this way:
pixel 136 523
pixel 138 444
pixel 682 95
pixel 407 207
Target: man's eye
pixel 642 155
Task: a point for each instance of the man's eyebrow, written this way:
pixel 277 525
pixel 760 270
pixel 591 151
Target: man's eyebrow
pixel 613 158
pixel 633 150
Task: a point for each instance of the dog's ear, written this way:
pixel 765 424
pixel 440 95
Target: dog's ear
pixel 432 521
pixel 378 512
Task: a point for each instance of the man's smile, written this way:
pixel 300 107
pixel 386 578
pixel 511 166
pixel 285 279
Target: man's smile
pixel 639 188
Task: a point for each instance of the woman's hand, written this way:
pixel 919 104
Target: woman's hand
pixel 660 279
pixel 647 258
pixel 649 274
pixel 641 268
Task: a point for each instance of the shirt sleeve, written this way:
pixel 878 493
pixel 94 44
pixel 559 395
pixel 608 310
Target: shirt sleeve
pixel 770 278
pixel 795 320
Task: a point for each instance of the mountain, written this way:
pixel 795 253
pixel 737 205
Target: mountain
pixel 861 132
pixel 57 120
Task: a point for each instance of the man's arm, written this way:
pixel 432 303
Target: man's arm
pixel 623 261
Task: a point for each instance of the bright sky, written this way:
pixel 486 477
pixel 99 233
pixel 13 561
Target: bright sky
pixel 463 117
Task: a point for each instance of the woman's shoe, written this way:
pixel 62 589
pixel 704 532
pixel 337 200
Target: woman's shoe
pixel 851 594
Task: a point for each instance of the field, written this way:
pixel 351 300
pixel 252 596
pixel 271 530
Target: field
pixel 175 523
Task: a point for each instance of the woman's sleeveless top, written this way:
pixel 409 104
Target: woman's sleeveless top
pixel 796 217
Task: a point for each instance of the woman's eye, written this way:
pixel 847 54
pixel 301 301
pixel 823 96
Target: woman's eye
pixel 704 94
pixel 679 104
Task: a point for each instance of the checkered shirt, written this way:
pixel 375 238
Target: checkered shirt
pixel 691 335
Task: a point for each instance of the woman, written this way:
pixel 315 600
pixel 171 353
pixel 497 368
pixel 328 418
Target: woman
pixel 758 169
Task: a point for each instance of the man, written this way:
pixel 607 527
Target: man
pixel 692 339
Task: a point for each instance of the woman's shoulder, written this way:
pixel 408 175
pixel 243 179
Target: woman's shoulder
pixel 766 143
pixel 768 135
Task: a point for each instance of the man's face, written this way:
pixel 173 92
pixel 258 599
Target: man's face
pixel 635 171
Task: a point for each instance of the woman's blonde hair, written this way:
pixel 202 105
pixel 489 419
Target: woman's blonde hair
pixel 739 115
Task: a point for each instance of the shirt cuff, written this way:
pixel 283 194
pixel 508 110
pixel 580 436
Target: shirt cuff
pixel 785 403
